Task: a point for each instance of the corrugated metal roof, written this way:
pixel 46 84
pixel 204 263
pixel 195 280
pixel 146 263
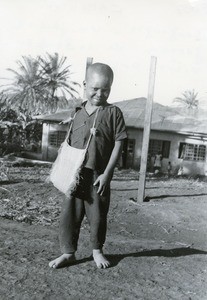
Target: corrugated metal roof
pixel 164 118
pixel 56 117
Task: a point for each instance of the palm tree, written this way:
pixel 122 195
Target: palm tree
pixel 57 81
pixel 189 99
pixel 27 88
pixel 40 85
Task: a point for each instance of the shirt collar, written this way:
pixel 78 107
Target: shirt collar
pixel 102 107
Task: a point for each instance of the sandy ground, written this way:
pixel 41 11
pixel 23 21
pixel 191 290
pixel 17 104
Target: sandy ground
pixel 158 249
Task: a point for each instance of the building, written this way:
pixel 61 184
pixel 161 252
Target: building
pixel 182 140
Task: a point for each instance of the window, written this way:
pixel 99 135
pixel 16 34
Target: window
pixel 56 138
pixel 192 152
pixel 156 146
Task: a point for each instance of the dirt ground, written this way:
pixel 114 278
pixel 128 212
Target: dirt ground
pixel 158 249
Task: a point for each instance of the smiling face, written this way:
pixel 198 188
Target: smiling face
pixel 98 84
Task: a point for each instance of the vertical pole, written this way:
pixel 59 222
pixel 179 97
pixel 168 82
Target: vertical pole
pixel 45 140
pixel 89 62
pixel 146 131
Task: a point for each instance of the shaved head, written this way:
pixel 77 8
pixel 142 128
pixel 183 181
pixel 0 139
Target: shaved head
pixel 99 78
pixel 100 69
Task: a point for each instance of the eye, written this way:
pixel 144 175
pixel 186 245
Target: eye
pixel 101 90
pixel 106 90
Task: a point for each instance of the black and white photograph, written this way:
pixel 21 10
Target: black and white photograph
pixel 103 150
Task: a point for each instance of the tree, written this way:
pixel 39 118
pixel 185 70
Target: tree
pixel 18 131
pixel 189 100
pixel 3 100
pixel 57 81
pixel 37 84
pixel 27 88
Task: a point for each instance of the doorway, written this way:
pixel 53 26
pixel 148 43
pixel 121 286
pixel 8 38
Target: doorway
pixel 128 153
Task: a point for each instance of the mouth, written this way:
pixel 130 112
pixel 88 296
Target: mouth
pixel 98 101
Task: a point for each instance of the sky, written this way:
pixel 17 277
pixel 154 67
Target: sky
pixel 122 33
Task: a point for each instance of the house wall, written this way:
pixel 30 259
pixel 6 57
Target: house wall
pixel 49 152
pixel 189 167
pixel 136 134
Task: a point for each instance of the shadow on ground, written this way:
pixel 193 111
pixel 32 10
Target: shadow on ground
pixel 176 252
pixel 148 198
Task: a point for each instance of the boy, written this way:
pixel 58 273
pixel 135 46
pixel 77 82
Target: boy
pixel 92 195
pixel 169 169
pixel 158 162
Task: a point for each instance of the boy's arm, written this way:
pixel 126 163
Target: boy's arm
pixel 65 121
pixel 104 179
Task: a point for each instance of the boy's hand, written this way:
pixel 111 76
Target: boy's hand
pixel 102 182
pixel 68 120
pixel 104 179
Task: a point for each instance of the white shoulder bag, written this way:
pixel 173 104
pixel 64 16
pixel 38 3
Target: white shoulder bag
pixel 68 164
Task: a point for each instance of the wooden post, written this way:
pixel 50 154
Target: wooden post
pixel 45 139
pixel 89 62
pixel 146 131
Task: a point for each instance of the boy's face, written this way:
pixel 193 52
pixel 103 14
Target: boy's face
pixel 98 87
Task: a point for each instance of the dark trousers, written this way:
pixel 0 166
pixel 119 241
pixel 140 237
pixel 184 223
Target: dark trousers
pixel 84 201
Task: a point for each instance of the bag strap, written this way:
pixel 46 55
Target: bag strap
pixel 92 128
pixel 91 133
pixel 70 127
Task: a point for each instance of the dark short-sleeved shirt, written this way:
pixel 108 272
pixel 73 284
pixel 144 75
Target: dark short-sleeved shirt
pixel 110 127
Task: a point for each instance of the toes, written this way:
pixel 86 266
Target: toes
pixel 52 265
pixel 106 265
pixel 103 265
pixel 99 266
pixel 63 261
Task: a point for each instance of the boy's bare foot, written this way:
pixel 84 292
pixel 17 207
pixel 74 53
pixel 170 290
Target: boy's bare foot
pixel 100 259
pixel 62 261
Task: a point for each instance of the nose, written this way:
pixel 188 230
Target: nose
pixel 99 93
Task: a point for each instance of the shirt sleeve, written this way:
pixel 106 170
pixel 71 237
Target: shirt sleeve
pixel 120 127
